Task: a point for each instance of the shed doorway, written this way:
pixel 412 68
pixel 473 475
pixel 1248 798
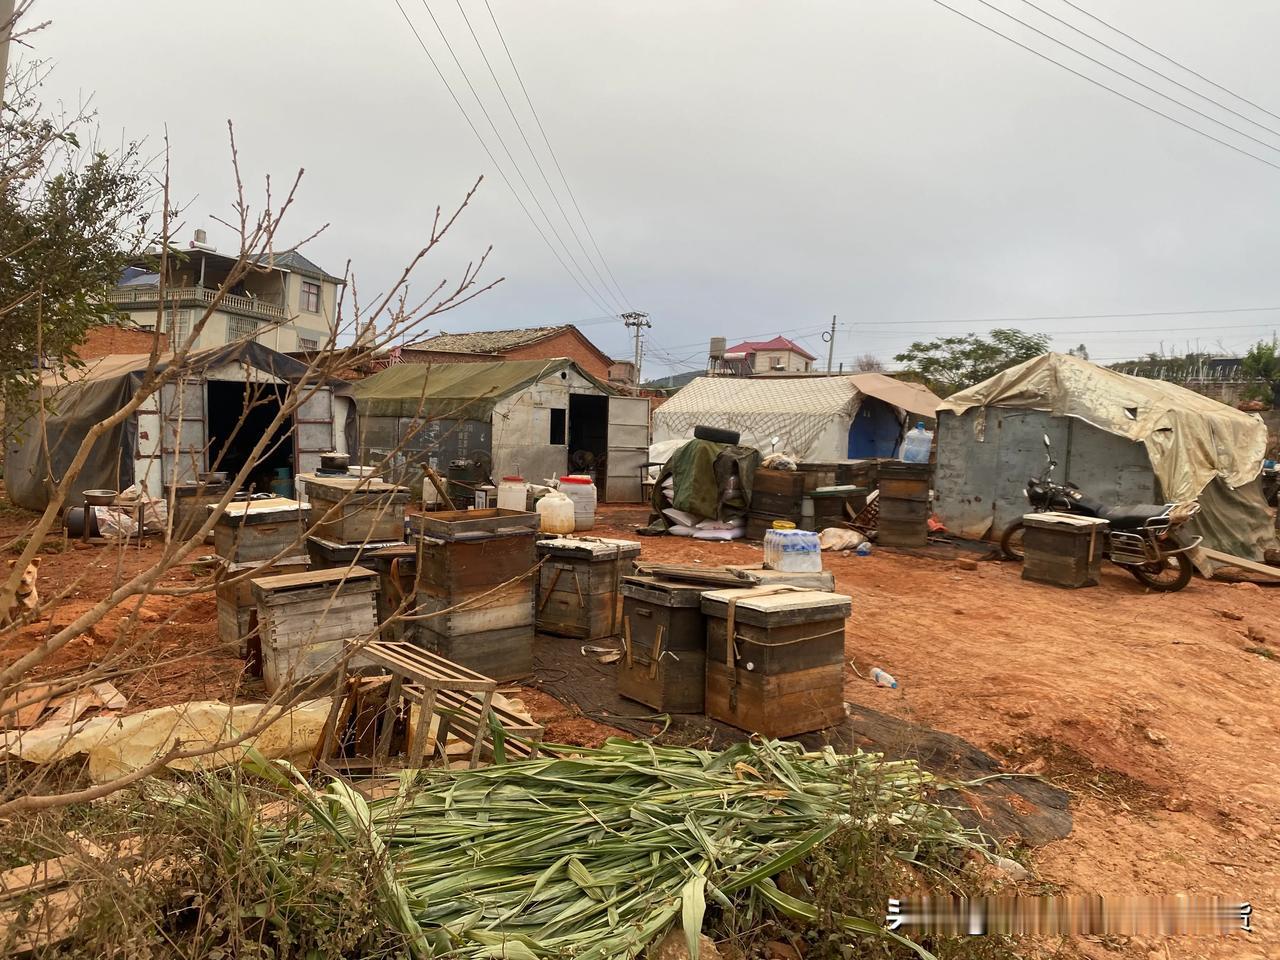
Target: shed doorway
pixel 588 435
pixel 239 413
pixel 875 430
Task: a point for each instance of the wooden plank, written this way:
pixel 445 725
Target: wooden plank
pixel 1251 565
pixel 290 581
pixel 37 876
pixel 424 667
pixel 36 698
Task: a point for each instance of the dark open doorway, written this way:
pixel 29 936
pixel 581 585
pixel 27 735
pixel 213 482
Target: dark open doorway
pixel 239 414
pixel 875 431
pixel 588 435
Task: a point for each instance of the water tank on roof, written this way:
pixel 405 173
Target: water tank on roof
pixel 717 347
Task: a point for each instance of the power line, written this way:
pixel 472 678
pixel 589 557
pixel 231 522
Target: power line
pixel 1169 59
pixel 1121 73
pixel 492 159
pixel 604 285
pixel 1073 316
pixel 1217 103
pixel 1099 83
pixel 554 158
pixel 466 77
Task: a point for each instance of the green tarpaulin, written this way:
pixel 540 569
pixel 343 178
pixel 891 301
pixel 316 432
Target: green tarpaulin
pixel 700 470
pixel 451 390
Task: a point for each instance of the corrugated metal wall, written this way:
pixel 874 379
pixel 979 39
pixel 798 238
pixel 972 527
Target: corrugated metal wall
pixel 986 455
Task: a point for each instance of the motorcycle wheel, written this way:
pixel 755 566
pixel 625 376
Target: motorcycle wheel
pixel 1169 576
pixel 1011 542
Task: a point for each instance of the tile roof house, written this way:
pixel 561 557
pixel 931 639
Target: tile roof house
pixel 530 343
pixel 779 355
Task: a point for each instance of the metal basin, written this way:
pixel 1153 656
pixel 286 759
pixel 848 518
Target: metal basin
pixel 100 498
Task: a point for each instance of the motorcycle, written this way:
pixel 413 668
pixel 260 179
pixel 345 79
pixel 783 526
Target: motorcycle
pixel 1141 537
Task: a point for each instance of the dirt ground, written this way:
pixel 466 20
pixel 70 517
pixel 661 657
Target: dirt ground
pixel 1160 713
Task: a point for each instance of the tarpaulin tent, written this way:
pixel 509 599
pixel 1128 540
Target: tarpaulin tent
pixel 169 431
pixel 815 418
pixel 1120 438
pixel 535 418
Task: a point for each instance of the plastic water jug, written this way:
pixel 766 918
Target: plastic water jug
pixel 581 489
pixel 555 513
pixel 917 445
pixel 795 551
pixel 512 492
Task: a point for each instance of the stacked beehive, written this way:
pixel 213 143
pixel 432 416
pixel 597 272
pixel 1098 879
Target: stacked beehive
pixel 476 589
pixel 904 504
pixel 254 538
pixel 353 516
pixel 578 591
pixel 775 495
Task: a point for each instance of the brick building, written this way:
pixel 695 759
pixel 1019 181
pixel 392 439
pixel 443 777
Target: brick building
pixel 533 343
pixel 112 338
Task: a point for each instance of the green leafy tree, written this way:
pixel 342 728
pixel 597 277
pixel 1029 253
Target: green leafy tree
pixel 71 217
pixel 949 364
pixel 1261 364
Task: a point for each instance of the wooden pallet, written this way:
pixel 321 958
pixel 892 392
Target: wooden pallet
pixel 460 715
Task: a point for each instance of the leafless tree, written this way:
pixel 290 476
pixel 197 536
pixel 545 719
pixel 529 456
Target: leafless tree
pixel 868 363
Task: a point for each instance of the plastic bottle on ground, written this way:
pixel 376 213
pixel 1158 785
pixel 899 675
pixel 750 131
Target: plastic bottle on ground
pixel 863 549
pixel 883 679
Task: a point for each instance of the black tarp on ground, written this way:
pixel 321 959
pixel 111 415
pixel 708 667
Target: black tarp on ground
pixel 81 398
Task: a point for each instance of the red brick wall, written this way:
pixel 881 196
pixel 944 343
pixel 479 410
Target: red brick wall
pixel 563 345
pixel 108 339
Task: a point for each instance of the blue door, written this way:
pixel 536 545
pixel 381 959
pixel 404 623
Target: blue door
pixel 875 431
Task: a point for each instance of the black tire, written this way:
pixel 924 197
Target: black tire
pixel 716 435
pixel 1169 577
pixel 1011 542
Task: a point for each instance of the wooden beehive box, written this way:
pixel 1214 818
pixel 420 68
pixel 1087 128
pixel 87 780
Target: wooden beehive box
pixel 664 644
pixel 251 531
pixel 237 608
pixel 829 505
pixel 305 621
pixel 330 554
pixel 489 580
pixel 1062 549
pixel 473 524
pixel 578 585
pixel 903 523
pixel 356 509
pixel 191 503
pixel 784 674
pixel 397 568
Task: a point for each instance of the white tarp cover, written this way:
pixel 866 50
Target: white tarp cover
pixel 1190 439
pixel 803 412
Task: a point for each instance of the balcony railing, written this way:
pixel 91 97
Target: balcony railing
pixel 144 295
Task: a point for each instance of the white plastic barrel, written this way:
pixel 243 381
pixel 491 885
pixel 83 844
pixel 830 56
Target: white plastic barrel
pixel 555 513
pixel 581 489
pixel 512 492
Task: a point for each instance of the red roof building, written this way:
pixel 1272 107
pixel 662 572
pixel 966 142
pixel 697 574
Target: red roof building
pixel 779 355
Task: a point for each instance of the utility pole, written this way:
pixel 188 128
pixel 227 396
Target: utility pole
pixel 831 343
pixel 7 16
pixel 640 321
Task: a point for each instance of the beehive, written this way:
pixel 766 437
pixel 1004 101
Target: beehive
pixel 1062 549
pixel 237 609
pixel 775 659
pixel 481 570
pixel 664 644
pixel 356 509
pixel 252 531
pixel 305 621
pixel 578 585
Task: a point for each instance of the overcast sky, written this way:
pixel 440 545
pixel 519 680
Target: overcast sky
pixel 746 168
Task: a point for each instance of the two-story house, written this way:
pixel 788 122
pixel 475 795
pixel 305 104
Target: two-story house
pixel 763 357
pixel 288 298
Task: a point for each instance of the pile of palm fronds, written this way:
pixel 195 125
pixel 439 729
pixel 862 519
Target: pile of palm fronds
pixel 593 853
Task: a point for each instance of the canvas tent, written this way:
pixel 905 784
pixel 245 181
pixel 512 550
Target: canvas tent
pixel 175 434
pixel 1122 439
pixel 814 418
pixel 533 418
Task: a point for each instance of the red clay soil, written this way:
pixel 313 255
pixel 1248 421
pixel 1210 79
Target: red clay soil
pixel 1160 713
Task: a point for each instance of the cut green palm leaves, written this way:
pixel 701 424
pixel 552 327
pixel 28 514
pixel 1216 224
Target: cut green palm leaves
pixel 593 853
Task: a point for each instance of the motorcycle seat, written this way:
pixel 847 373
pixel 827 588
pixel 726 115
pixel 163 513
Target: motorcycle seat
pixel 1129 516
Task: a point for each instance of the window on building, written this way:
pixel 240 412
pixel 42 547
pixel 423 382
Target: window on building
pixel 241 328
pixel 177 324
pixel 310 296
pixel 307 343
pixel 558 420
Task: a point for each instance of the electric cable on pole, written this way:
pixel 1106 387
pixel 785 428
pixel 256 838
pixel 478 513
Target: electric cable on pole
pixel 640 321
pixel 831 342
